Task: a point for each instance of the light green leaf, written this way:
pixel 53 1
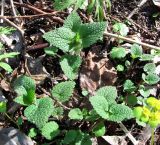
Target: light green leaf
pixel 3 106
pixel 40 112
pixel 50 130
pixel 100 105
pixel 150 68
pixel 70 65
pixel 25 88
pixel 120 68
pixel 121 28
pixel 144 91
pixel 63 91
pixel 57 112
pixel 119 112
pixel 108 92
pixel 75 114
pixel 6 30
pixel 118 52
pixel 91 32
pixel 8 55
pixel 147 57
pixel 136 51
pixel 99 129
pixel 151 78
pixel 63 4
pixel 73 22
pixel 51 51
pixel 61 38
pixel 32 132
pixel 129 86
pixel 6 66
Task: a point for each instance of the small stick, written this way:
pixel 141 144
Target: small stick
pixel 142 2
pixel 130 136
pixel 2 10
pixel 13 9
pixel 27 16
pixel 149 46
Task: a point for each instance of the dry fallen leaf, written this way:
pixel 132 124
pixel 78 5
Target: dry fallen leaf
pixel 96 71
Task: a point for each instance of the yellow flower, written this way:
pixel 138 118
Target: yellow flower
pixel 151 101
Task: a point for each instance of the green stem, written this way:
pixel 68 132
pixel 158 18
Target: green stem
pixel 152 136
pixel 12 120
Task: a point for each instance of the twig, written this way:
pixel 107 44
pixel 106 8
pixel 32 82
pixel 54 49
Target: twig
pixel 57 19
pixel 14 25
pixel 2 10
pixel 13 9
pixel 148 46
pixel 142 2
pixel 27 16
pixel 133 140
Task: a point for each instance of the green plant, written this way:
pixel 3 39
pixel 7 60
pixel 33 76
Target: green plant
pixel 72 38
pixel 105 105
pixel 4 65
pixel 99 6
pixel 149 114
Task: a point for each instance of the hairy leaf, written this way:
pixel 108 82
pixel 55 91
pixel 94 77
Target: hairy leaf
pixel 25 87
pixel 100 105
pixel 73 22
pixel 75 114
pixel 136 51
pixel 63 91
pixel 40 112
pixel 121 28
pixel 50 130
pixel 91 32
pixel 118 52
pixel 108 92
pixel 129 86
pixel 99 129
pixel 60 38
pixel 150 68
pixel 70 65
pixel 119 112
pixel 151 78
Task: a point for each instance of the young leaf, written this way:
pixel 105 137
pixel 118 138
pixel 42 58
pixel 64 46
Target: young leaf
pixel 151 78
pixel 57 111
pixel 32 132
pixel 75 114
pixel 119 112
pixel 121 28
pixel 120 68
pixel 3 106
pixel 144 91
pixel 6 67
pixel 73 22
pixel 91 32
pixel 147 57
pixel 8 55
pixel 108 92
pixel 50 130
pixel 129 86
pixel 63 4
pixel 60 38
pixel 76 137
pixel 63 91
pixel 6 30
pixel 40 112
pixel 51 51
pixel 70 65
pixel 150 68
pixel 99 129
pixel 25 87
pixel 118 52
pixel 100 105
pixel 136 51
